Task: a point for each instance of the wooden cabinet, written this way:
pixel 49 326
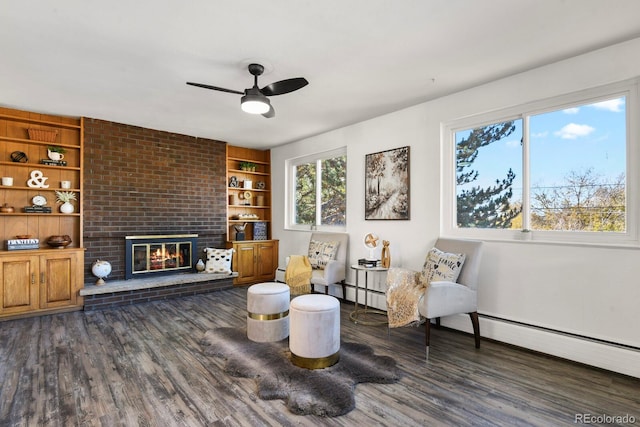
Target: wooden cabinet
pixel 45 279
pixel 249 205
pixel 60 282
pixel 254 261
pixel 20 283
pixel 40 281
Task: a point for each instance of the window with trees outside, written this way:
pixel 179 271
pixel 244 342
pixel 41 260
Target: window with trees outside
pixel 318 191
pixel 557 170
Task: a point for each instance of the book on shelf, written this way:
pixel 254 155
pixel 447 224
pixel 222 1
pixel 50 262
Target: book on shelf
pixel 37 209
pixel 53 162
pixel 369 262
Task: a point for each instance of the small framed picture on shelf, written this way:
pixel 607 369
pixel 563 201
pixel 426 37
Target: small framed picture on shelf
pixel 260 231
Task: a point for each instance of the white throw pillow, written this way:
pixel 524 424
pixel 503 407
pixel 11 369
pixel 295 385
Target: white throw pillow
pixel 320 253
pixel 441 265
pixel 218 260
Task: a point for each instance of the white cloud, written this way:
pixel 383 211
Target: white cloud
pixel 542 134
pixel 573 131
pixel 574 110
pixel 513 143
pixel 612 105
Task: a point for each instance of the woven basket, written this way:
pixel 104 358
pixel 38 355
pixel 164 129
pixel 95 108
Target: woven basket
pixel 43 135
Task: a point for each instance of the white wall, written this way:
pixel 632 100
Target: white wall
pixel 564 288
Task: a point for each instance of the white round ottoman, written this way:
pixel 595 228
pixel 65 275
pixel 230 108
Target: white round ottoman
pixel 268 312
pixel 314 338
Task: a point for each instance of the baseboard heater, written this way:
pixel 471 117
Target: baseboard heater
pixel 559 332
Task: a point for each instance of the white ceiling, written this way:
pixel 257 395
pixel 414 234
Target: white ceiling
pixel 128 60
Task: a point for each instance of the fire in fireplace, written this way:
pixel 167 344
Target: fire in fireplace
pixel 163 254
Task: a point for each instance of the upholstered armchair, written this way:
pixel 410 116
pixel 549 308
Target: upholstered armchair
pixel 446 286
pixel 331 270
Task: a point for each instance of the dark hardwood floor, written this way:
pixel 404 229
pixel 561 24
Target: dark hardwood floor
pixel 142 365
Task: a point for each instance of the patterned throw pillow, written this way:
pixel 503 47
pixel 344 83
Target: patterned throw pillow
pixel 441 265
pixel 218 260
pixel 320 253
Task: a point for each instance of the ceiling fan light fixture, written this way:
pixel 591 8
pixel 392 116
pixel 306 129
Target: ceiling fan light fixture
pixel 254 99
pixel 255 104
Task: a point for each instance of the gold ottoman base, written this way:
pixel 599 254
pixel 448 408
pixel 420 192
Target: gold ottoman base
pixel 315 362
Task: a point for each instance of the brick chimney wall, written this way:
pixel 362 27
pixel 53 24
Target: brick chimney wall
pixel 140 181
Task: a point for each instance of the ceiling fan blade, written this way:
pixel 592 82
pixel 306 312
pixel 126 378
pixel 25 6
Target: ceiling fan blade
pixel 271 113
pixel 284 86
pixel 221 89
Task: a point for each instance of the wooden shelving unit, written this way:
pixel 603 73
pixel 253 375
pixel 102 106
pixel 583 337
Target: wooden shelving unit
pixel 259 202
pixel 255 257
pixel 45 279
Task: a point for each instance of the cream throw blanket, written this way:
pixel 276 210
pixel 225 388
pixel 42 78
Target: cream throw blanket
pixel 404 290
pixel 298 275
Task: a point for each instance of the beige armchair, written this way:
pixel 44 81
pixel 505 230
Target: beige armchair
pixel 335 270
pixel 441 297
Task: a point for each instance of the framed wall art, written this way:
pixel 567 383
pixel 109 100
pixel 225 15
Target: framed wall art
pixel 387 185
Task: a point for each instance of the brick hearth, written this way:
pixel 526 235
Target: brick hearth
pixel 126 292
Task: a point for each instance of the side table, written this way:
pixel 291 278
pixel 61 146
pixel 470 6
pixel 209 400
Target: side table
pixel 358 315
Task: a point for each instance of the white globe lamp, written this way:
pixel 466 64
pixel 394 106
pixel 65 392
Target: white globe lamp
pixel 101 269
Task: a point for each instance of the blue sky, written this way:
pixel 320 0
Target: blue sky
pixel 562 141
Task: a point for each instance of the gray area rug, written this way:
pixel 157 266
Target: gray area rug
pixel 325 392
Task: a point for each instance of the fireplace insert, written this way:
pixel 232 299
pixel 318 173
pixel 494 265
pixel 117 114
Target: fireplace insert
pixel 160 254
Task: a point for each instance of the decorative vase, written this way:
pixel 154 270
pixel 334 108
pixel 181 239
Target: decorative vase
pixel 67 208
pixel 386 255
pixel 200 266
pixel 55 156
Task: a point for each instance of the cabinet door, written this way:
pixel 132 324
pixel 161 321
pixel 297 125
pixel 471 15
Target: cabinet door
pixel 58 287
pixel 19 281
pixel 245 263
pixel 267 260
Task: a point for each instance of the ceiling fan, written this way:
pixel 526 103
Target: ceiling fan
pixel 254 100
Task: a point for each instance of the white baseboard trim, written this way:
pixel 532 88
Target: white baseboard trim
pixel 583 350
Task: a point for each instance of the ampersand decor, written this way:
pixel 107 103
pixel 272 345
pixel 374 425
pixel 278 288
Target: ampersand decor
pixel 38 180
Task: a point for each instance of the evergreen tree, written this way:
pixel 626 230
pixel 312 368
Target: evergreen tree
pixel 334 192
pixel 478 207
pixel 306 194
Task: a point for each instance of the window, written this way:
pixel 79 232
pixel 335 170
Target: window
pixel 318 191
pixel 577 161
pixel 557 168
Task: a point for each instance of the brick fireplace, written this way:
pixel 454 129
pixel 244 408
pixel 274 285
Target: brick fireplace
pixel 143 181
